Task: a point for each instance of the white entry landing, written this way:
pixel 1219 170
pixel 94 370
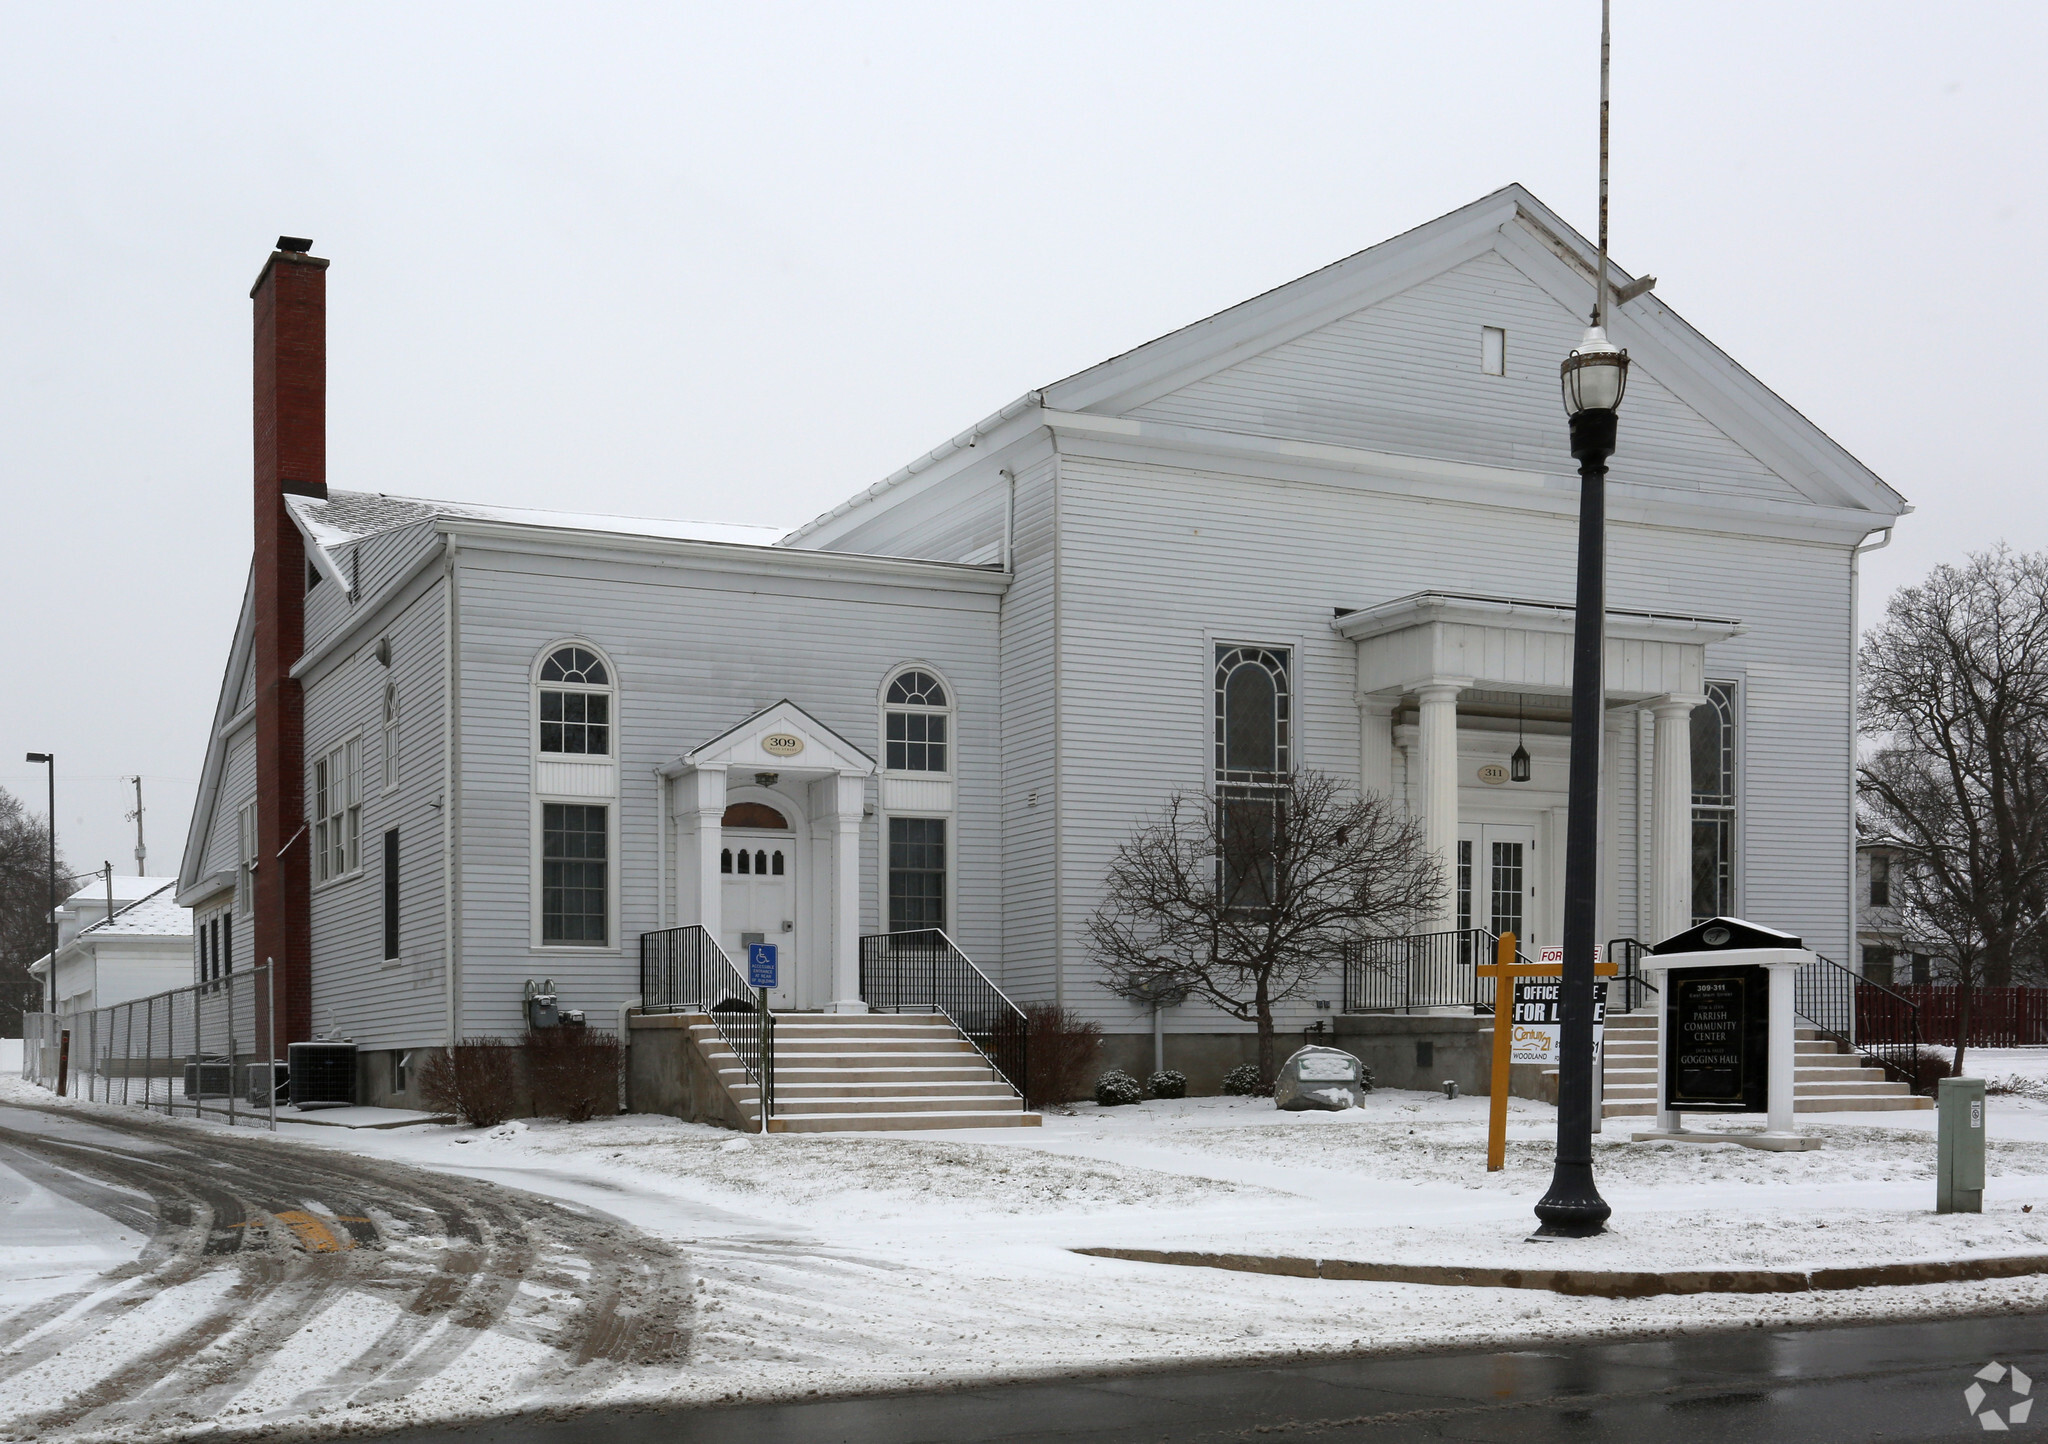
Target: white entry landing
pixel 856 1072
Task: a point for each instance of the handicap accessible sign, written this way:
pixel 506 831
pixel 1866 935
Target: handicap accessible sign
pixel 761 965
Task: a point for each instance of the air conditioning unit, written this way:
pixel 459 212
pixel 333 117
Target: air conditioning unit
pixel 209 1078
pixel 266 1081
pixel 322 1074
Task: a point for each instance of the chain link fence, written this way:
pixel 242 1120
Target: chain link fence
pixel 207 1050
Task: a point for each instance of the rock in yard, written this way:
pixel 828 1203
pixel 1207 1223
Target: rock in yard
pixel 1317 1077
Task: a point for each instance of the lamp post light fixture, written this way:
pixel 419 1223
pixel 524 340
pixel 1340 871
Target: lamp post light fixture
pixel 1518 763
pixel 49 760
pixel 1594 378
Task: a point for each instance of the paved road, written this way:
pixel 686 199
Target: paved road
pixel 369 1278
pixel 1852 1385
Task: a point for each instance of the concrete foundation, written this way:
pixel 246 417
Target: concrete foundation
pixel 666 1072
pixel 1403 1050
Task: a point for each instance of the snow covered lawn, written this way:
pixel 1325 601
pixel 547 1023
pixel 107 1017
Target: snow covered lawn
pixel 841 1262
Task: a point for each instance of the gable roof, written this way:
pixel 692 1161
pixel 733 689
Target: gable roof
pixel 740 745
pixel 1795 462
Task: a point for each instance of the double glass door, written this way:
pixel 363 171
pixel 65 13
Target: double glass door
pixel 1497 882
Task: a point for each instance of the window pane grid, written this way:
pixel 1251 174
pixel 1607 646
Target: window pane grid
pixel 1253 714
pixel 574 861
pixel 576 722
pixel 917 873
pixel 1714 799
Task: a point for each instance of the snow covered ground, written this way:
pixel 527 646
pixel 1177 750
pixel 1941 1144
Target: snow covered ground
pixel 848 1263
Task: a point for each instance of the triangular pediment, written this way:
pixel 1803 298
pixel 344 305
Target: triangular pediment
pixel 782 738
pixel 1382 352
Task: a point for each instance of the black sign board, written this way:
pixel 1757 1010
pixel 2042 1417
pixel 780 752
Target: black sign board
pixel 1717 1039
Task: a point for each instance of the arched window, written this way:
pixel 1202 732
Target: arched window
pixel 575 703
pixel 754 814
pixel 1252 714
pixel 389 739
pixel 916 724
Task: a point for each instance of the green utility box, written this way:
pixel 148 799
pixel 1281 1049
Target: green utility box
pixel 1959 1153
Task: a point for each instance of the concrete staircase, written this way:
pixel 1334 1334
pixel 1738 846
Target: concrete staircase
pixel 858 1072
pixel 1830 1077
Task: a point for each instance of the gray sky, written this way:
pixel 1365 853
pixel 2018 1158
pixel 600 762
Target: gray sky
pixel 735 262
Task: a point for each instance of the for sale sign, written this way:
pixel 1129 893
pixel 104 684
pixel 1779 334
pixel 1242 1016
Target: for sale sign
pixel 1537 1025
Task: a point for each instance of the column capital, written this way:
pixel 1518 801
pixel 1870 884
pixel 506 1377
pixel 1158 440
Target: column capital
pixel 1384 704
pixel 1441 689
pixel 1672 704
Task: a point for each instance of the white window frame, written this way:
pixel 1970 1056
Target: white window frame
pixel 245 858
pixel 337 820
pixel 950 777
pixel 612 801
pixel 388 738
pixel 951 712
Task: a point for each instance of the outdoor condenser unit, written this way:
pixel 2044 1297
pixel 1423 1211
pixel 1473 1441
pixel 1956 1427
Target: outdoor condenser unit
pixel 322 1073
pixel 209 1078
pixel 267 1080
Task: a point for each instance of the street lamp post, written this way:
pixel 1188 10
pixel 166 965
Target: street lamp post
pixel 49 760
pixel 1594 377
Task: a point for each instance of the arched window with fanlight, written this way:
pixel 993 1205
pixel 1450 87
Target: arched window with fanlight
pixel 916 730
pixel 576 782
pixel 919 760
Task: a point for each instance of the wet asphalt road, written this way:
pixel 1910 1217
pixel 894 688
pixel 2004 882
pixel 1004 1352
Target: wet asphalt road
pixel 1854 1385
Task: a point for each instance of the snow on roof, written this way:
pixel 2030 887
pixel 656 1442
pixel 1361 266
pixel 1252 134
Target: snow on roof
pixel 347 516
pixel 155 916
pixel 126 889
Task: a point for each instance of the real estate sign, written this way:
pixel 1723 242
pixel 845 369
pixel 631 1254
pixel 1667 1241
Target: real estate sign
pixel 1537 1026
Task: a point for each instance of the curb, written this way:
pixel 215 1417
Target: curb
pixel 1600 1283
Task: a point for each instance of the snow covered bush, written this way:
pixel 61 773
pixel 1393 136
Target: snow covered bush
pixel 476 1080
pixel 1244 1081
pixel 574 1072
pixel 1117 1087
pixel 1167 1083
pixel 1060 1054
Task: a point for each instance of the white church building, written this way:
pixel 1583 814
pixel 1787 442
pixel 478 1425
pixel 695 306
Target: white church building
pixel 1345 506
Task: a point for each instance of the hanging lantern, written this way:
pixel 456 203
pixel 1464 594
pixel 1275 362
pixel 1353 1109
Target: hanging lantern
pixel 1518 764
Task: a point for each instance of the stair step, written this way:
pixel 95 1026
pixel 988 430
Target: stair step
pixel 786 1107
pixel 861 1122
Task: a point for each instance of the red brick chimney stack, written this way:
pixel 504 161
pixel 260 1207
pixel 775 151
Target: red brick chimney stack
pixel 291 459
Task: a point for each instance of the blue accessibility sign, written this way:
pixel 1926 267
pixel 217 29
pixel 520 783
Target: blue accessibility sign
pixel 761 965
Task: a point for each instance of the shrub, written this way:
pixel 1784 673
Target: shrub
pixel 1061 1051
pixel 1244 1081
pixel 1167 1083
pixel 575 1072
pixel 475 1080
pixel 1117 1087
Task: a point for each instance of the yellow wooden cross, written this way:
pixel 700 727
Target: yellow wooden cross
pixel 1505 968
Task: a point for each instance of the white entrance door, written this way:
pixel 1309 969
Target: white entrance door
pixel 1497 877
pixel 757 904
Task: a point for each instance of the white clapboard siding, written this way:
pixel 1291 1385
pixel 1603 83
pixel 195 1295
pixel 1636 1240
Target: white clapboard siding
pixel 356 993
pixel 695 652
pixel 1029 797
pixel 1405 376
pixel 370 566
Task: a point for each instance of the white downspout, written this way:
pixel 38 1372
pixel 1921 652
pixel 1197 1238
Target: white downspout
pixel 451 766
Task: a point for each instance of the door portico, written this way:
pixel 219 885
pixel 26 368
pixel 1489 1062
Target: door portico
pixel 1422 656
pixel 780 762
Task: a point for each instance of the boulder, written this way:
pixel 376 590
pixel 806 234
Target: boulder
pixel 1321 1078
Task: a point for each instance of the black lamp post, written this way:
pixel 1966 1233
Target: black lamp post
pixel 1594 378
pixel 49 760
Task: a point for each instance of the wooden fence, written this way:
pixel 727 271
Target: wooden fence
pixel 1999 1017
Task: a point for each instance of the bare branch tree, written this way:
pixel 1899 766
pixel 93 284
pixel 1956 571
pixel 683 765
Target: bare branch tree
pixel 25 893
pixel 1954 691
pixel 1245 900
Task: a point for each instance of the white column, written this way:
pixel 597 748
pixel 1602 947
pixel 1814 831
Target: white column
pixel 1668 1120
pixel 698 885
pixel 1784 1049
pixel 1376 744
pixel 1439 747
pixel 1671 818
pixel 1610 823
pixel 849 797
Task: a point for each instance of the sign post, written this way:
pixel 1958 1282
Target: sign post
pixel 1516 991
pixel 761 977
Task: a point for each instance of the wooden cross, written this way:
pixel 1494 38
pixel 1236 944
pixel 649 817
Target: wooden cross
pixel 1506 967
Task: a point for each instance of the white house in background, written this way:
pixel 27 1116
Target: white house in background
pixel 146 948
pixel 1332 527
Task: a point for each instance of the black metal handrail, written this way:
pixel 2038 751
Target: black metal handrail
pixel 684 970
pixel 1421 970
pixel 1881 1025
pixel 1629 987
pixel 924 971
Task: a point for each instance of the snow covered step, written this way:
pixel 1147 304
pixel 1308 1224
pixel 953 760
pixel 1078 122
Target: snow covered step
pixel 894 1122
pixel 788 1090
pixel 786 1107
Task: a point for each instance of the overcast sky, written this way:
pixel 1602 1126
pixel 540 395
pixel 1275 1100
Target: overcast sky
pixel 734 262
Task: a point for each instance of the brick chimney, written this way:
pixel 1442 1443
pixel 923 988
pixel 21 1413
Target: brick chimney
pixel 290 299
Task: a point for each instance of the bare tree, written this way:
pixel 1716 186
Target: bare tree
pixel 1246 899
pixel 1954 693
pixel 25 893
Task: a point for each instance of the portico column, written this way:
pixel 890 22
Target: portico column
pixel 698 885
pixel 1376 743
pixel 1438 734
pixel 1671 817
pixel 849 798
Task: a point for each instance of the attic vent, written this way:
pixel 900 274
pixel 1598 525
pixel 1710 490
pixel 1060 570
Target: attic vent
pixel 1493 350
pixel 312 576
